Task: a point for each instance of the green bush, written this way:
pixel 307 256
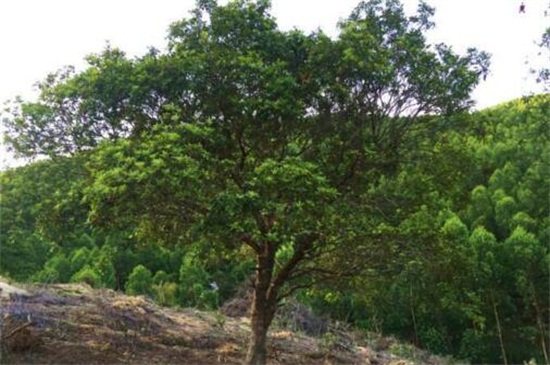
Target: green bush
pixel 56 270
pixel 165 293
pixel 434 340
pixel 140 281
pixel 160 277
pixel 89 276
pixel 80 258
pixel 208 299
pixel 46 275
pixel 194 288
pixel 474 347
pixel 103 264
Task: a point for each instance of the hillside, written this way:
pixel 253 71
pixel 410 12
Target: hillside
pixel 75 324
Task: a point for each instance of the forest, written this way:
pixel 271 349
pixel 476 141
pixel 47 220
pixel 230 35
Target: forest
pixel 349 174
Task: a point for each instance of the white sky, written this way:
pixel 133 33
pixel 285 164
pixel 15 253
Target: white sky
pixel 40 36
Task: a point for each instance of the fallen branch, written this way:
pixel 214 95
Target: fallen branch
pixel 17 329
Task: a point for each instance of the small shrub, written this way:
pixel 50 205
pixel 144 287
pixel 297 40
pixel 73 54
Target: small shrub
pixel 328 343
pixel 194 289
pixel 208 299
pixel 46 275
pixel 165 293
pixel 61 264
pixel 140 281
pixel 403 350
pixel 80 258
pixel 87 275
pixel 160 277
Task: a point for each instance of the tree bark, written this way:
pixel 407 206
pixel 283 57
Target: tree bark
pixel 260 321
pixel 499 328
pixel 542 333
pixel 264 304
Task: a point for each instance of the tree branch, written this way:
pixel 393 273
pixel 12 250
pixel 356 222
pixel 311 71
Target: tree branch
pixel 247 240
pixel 299 253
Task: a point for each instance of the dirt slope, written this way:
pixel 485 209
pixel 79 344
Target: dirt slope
pixel 75 324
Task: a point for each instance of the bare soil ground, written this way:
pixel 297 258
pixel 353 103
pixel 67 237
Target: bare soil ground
pixel 75 324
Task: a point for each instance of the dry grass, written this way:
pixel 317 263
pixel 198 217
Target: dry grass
pixel 74 324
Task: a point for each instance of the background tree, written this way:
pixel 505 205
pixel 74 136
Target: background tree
pixel 468 227
pixel 40 211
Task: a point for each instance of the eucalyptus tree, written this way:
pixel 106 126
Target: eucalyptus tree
pixel 250 138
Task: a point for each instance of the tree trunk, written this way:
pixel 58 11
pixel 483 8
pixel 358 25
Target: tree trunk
pixel 499 329
pixel 264 305
pixel 542 332
pixel 260 321
pixel 416 342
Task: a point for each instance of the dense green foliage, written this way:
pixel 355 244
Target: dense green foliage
pixel 348 166
pixel 468 220
pixel 472 256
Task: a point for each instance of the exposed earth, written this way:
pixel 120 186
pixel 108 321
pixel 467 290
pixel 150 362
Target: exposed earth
pixel 75 324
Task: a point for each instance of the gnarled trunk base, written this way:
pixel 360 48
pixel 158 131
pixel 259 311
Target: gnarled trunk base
pixel 263 310
pixel 264 304
pixel 257 350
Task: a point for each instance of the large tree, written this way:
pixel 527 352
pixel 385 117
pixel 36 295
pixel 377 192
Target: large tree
pixel 249 137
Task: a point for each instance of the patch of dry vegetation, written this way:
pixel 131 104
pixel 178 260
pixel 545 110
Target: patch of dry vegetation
pixel 74 324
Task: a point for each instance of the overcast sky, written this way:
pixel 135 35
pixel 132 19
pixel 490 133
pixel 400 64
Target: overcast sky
pixel 40 36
